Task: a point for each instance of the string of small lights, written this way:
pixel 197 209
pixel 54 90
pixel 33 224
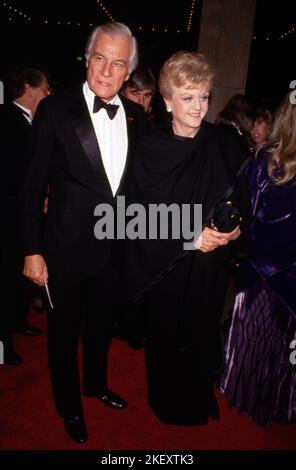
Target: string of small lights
pixel 16 12
pixel 153 29
pixel 160 29
pixel 19 13
pixel 272 37
pixel 105 10
pixel 287 33
pixel 191 11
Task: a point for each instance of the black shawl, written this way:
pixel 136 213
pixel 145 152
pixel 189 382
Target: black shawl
pixel 170 169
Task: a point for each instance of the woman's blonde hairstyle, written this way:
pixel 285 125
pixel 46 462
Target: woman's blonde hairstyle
pixel 282 160
pixel 182 68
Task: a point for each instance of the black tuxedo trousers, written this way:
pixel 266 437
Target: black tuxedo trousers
pixel 83 310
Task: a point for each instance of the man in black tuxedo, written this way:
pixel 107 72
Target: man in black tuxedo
pixel 82 147
pixel 26 86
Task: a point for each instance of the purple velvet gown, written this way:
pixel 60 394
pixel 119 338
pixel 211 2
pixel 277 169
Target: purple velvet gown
pixel 259 377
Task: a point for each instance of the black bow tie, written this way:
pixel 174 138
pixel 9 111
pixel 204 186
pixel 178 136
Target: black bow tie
pixel 110 108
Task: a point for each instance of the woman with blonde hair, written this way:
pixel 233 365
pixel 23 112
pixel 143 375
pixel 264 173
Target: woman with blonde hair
pixel 188 162
pixel 260 377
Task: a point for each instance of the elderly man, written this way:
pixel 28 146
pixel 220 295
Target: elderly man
pixel 82 148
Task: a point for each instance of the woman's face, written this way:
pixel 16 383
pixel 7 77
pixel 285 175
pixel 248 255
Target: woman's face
pixel 260 132
pixel 189 105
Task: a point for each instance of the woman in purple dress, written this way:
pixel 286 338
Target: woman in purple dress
pixel 260 372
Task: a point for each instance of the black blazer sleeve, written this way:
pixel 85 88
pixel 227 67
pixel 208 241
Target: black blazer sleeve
pixel 35 180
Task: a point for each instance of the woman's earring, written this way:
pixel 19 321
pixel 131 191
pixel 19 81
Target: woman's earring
pixel 169 110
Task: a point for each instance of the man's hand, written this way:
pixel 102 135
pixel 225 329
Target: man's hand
pixel 45 205
pixel 210 239
pixel 35 269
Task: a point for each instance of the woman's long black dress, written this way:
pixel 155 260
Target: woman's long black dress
pixel 183 347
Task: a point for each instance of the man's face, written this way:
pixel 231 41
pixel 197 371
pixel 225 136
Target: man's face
pixel 142 97
pixel 107 67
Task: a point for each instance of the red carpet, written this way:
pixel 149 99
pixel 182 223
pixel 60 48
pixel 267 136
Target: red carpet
pixel 28 419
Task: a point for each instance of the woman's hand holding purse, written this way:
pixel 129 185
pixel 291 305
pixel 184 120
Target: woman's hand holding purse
pixel 211 238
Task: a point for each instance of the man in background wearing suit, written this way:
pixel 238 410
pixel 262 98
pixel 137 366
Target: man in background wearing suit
pixel 82 147
pixel 26 86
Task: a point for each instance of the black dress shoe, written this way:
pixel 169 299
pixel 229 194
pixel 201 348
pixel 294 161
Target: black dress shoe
pixel 75 427
pixel 29 330
pixel 111 399
pixel 11 358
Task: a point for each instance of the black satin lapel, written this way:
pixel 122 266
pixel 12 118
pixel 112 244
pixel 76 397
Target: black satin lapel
pixel 86 134
pixel 130 125
pixel 18 113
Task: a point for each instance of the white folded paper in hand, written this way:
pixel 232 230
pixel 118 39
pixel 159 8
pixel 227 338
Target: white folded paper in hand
pixel 48 294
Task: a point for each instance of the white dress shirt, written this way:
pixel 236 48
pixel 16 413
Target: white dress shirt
pixel 27 113
pixel 111 135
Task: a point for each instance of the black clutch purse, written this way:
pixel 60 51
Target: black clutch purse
pixel 226 216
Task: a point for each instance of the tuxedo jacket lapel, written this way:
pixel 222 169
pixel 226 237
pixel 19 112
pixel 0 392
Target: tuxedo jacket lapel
pixel 86 134
pixel 130 144
pixel 20 117
pixel 85 131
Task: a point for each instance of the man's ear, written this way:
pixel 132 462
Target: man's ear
pixel 127 77
pixel 28 90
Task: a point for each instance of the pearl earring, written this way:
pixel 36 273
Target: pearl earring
pixel 169 110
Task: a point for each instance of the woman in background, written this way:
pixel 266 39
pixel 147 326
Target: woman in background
pixel 237 117
pixel 262 128
pixel 260 377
